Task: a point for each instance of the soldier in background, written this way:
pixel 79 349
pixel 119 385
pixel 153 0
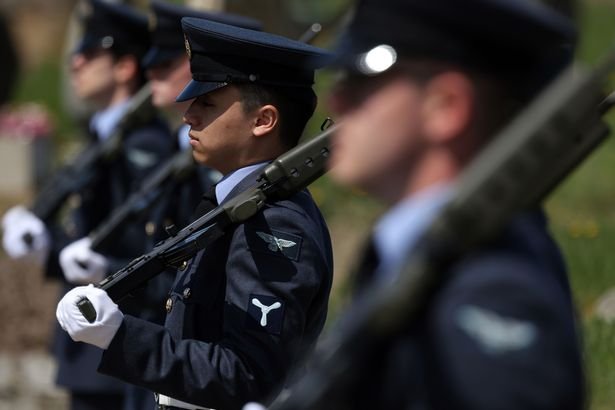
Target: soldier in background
pixel 106 72
pixel 424 85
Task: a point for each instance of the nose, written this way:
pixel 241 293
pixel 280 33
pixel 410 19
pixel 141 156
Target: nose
pixel 77 61
pixel 189 117
pixel 338 101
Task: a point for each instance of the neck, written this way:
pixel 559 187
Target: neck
pixel 437 168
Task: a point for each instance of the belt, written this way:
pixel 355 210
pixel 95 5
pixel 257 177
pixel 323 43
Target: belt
pixel 166 402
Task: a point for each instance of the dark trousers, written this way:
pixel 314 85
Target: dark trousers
pixel 96 401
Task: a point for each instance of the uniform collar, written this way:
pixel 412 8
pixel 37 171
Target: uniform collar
pixel 104 122
pixel 231 180
pixel 399 229
pixel 183 139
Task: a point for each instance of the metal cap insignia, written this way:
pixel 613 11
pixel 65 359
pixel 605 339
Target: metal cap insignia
pixel 188 49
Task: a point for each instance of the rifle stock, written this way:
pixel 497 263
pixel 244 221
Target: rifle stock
pixel 287 175
pixel 516 170
pixel 82 170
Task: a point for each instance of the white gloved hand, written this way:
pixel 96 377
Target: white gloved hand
pixel 18 224
pixel 253 406
pixel 108 316
pixel 81 265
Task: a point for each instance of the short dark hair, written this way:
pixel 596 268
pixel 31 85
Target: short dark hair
pixel 118 53
pixel 296 106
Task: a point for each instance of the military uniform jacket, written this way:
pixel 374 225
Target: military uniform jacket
pixel 142 151
pixel 239 315
pixel 499 335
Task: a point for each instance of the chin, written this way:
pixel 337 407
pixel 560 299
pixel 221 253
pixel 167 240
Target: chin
pixel 342 175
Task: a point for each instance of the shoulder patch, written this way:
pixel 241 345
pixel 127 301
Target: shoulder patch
pixel 265 313
pixel 274 242
pixel 141 159
pixel 495 334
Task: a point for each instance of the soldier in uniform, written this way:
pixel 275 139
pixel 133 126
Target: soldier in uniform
pixel 168 71
pixel 106 72
pixel 243 310
pixel 424 86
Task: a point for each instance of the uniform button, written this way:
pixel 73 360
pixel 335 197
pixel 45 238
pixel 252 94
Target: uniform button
pixel 169 305
pixel 183 265
pixel 74 201
pixel 187 293
pixel 150 228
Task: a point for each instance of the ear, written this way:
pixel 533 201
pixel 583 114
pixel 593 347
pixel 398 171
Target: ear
pixel 126 68
pixel 265 120
pixel 448 106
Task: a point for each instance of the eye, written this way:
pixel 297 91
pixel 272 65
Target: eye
pixel 203 102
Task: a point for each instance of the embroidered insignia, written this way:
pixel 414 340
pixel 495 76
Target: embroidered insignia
pixel 275 244
pixel 496 334
pixel 141 159
pixel 265 313
pixel 265 310
pixel 188 49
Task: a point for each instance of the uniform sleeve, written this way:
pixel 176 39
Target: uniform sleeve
pixel 502 336
pixel 276 290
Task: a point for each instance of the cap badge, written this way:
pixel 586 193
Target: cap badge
pixel 107 42
pixel 377 60
pixel 188 49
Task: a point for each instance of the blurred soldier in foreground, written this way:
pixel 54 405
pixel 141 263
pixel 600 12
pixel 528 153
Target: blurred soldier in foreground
pixel 243 310
pixel 424 86
pixel 105 71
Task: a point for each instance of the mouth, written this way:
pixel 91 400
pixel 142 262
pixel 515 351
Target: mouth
pixel 192 136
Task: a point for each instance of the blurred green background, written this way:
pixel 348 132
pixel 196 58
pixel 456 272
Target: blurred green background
pixel 582 209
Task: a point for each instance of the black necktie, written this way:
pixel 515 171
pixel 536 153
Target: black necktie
pixel 364 272
pixel 208 202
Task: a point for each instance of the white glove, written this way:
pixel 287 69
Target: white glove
pixel 253 406
pixel 108 316
pixel 18 223
pixel 81 265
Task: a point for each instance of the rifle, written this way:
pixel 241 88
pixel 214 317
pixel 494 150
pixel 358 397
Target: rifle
pixel 285 176
pixel 522 165
pixel 74 176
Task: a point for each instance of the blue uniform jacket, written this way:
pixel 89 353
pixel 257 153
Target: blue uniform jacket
pixel 239 315
pixel 498 335
pixel 143 150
